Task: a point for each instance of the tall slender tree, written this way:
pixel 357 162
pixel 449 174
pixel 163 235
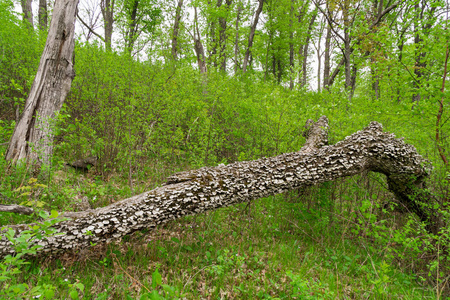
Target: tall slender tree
pixel 251 35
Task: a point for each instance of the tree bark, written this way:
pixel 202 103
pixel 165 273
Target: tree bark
pixel 176 28
pixel 131 33
pixel 236 43
pixel 291 46
pixel 43 15
pixel 27 11
pixel 304 51
pixel 223 37
pixel 327 61
pixel 197 191
pixel 33 137
pixel 252 35
pixel 198 46
pixel 107 8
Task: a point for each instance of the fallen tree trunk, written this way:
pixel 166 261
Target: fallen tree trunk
pixel 197 191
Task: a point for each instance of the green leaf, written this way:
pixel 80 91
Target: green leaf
pixel 73 294
pixel 49 293
pixel 54 214
pixel 156 279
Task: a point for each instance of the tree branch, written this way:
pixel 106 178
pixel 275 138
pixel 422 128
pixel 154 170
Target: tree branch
pixel 90 29
pixel 18 209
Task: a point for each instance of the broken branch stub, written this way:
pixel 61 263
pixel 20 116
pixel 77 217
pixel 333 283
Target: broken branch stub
pixel 209 188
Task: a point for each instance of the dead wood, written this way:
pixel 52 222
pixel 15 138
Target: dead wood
pixel 84 163
pixel 18 209
pixel 209 188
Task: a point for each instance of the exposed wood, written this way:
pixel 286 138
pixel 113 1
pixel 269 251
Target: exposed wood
pixel 18 209
pixel 84 163
pixel 197 191
pixel 33 136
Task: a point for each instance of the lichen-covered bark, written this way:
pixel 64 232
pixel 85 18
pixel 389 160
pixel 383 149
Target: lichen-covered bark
pixel 197 191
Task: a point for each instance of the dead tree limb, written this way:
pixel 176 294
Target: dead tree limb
pixel 197 191
pixel 18 209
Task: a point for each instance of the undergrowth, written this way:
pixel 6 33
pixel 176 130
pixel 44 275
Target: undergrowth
pixel 337 240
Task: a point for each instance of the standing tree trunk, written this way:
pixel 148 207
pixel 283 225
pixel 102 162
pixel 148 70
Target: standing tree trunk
pixel 131 33
pixel 291 46
pixel 176 28
pixel 33 137
pixel 107 8
pixel 252 35
pixel 223 37
pixel 305 49
pixel 236 43
pixel 198 46
pixel 327 63
pixel 27 11
pixel 43 15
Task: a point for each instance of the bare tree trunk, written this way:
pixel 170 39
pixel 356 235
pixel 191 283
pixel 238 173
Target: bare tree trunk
pixel 375 81
pixel 176 28
pixel 327 62
pixel 197 191
pixel 107 8
pixel 33 136
pixel 198 46
pixel 252 35
pixel 223 37
pixel 43 15
pixel 291 46
pixel 305 51
pixel 27 11
pixel 236 43
pixel 131 34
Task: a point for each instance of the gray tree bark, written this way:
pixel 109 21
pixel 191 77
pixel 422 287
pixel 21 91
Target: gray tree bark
pixel 107 8
pixel 304 52
pixel 33 138
pixel 197 191
pixel 176 28
pixel 252 35
pixel 43 15
pixel 27 11
pixel 236 43
pixel 198 46
pixel 327 62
